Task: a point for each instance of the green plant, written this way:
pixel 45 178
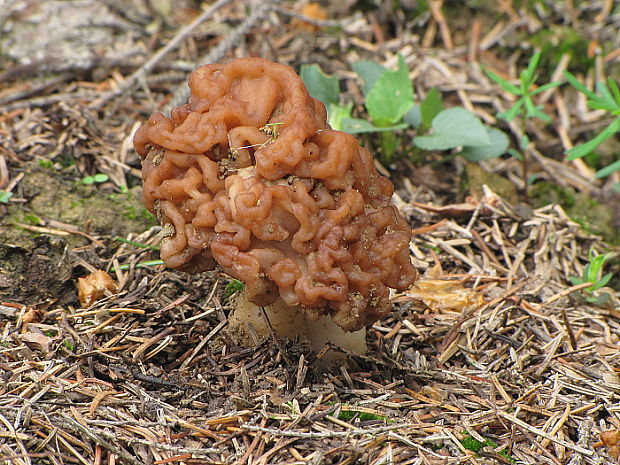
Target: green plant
pixel 31 218
pixel 348 413
pixel 233 287
pixel 45 163
pixel 593 273
pixel 607 97
pixel 389 101
pixel 5 196
pixel 474 445
pixel 524 107
pixel 97 178
pixel 144 264
pixel 69 345
pixel 140 245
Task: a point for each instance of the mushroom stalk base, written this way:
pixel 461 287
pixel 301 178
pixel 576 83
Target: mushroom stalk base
pixel 291 323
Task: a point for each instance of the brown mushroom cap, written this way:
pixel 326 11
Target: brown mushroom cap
pixel 249 175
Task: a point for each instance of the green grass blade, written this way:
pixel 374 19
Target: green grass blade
pixel 544 87
pixel 573 81
pixel 606 171
pixel 531 68
pixel 504 84
pixel 584 149
pixel 140 245
pixel 614 90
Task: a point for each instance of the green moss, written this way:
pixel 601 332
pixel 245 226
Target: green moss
pixel 593 216
pixel 556 41
pixel 475 177
pixel 472 444
pixel 52 197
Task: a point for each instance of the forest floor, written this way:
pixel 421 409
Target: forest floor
pixel 494 357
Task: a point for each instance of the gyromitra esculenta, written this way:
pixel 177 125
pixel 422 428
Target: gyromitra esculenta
pixel 249 175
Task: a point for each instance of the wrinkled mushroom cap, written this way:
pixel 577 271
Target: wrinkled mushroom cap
pixel 249 175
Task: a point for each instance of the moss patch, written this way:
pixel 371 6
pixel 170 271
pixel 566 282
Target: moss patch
pixel 593 216
pixel 51 197
pixel 475 177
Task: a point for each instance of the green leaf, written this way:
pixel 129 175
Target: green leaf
pixel 603 281
pixel 454 127
pixel 504 84
pixel 100 177
pixel 232 287
pixel 531 69
pixel 605 94
pixel 515 153
pixel 359 126
pixel 511 113
pixel 430 107
pixel 603 105
pixel 573 81
pixel 336 113
pixel 544 87
pixel 614 89
pixel 538 113
pixel 584 149
pixel 5 196
pixel 369 71
pixel 524 142
pixel 497 147
pixel 391 96
pixel 320 86
pixel 603 172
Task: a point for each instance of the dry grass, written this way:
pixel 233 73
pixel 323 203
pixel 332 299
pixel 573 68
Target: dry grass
pixel 494 344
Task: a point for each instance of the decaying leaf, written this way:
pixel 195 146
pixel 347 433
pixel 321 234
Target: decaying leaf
pixel 94 286
pixel 444 295
pixel 313 11
pixel 32 316
pixel 463 210
pixel 611 440
pixel 41 340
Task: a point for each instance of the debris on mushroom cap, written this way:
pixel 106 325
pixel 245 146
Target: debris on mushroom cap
pixel 249 175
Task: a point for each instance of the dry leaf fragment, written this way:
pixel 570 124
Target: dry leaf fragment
pixel 41 340
pixel 444 295
pixel 32 316
pixel 312 11
pixel 466 209
pixel 611 440
pixel 94 286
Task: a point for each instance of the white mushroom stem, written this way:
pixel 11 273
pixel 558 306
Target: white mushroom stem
pixel 291 323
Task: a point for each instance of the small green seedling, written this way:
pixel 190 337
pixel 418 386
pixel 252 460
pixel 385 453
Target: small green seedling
pixel 524 107
pixel 45 163
pixel 607 97
pixel 5 196
pixel 593 273
pixel 389 100
pixel 97 178
pixel 145 264
pixel 472 444
pixel 525 92
pixel 140 245
pixel 233 287
pixel 348 413
pixel 69 345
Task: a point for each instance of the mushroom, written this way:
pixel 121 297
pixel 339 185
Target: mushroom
pixel 249 175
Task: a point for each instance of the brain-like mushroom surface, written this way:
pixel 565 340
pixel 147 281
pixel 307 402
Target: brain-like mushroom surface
pixel 249 175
